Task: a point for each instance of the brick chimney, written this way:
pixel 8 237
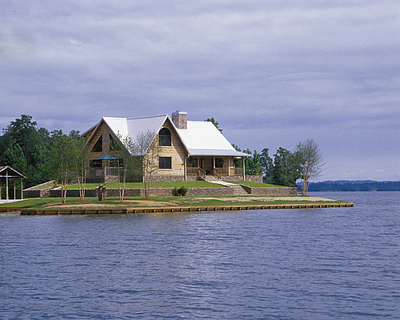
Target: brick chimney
pixel 179 118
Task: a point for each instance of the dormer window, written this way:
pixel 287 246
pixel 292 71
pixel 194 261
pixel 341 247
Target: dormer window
pixel 164 137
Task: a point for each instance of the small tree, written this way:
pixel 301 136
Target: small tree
pixel 64 152
pixel 149 150
pixel 253 164
pixel 310 162
pixel 267 164
pixel 286 168
pixel 80 162
pixel 124 148
pixel 140 156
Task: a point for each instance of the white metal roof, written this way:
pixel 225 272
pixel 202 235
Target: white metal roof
pixel 202 138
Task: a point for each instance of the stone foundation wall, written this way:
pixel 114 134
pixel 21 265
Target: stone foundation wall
pixel 32 193
pixel 167 178
pixel 284 191
pixel 73 193
pixel 240 178
pixel 166 192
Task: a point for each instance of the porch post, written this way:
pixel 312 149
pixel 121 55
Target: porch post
pixel 185 170
pixel 22 188
pixel 229 166
pixel 244 169
pixel 15 190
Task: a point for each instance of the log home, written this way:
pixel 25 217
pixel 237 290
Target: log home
pixel 188 150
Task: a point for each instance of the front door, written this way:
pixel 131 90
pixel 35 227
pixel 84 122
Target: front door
pixel 206 165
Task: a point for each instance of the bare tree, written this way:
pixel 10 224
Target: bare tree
pixel 124 150
pixel 81 165
pixel 310 162
pixel 148 149
pixel 139 156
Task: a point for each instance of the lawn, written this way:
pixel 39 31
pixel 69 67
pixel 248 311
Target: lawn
pixel 113 202
pixel 140 185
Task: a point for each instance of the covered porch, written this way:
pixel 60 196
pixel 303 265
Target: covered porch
pixel 6 173
pixel 219 167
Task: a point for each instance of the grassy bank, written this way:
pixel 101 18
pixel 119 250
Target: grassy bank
pixel 42 203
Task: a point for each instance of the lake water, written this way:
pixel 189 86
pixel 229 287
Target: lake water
pixel 331 263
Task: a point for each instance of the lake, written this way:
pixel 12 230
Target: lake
pixel 330 263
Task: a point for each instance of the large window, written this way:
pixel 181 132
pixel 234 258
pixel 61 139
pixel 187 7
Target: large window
pixel 219 162
pixel 164 137
pixel 98 147
pixel 164 163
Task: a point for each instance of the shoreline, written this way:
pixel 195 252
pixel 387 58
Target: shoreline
pixel 188 209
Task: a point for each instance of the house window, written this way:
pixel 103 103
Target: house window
pixel 193 162
pixel 115 145
pixel 219 163
pixel 164 163
pixel 164 137
pixel 96 163
pixel 98 147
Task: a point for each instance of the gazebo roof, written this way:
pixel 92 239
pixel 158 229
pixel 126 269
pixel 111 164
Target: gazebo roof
pixel 7 171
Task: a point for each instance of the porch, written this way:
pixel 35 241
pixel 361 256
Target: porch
pixel 222 168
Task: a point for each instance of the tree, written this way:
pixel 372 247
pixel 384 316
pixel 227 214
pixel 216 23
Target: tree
pixel 64 153
pixel 14 157
pixel 214 122
pixel 253 164
pixel 310 162
pixel 124 149
pixel 23 132
pixel 286 168
pixel 267 165
pixel 81 160
pixel 149 150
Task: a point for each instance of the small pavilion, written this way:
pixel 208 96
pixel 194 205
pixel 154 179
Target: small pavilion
pixel 7 172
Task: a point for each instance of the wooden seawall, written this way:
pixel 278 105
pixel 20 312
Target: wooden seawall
pixel 181 209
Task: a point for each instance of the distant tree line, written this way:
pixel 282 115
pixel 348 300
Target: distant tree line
pixel 355 186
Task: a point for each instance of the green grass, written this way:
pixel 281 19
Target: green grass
pixel 140 185
pixel 41 203
pixel 256 184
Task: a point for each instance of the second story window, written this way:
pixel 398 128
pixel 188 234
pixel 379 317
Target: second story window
pixel 98 147
pixel 164 137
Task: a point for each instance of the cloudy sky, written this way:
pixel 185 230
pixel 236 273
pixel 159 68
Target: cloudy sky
pixel 273 73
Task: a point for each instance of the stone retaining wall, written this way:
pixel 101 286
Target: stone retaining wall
pixel 166 192
pixel 33 192
pixel 273 191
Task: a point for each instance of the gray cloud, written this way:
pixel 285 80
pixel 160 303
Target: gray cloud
pixel 272 73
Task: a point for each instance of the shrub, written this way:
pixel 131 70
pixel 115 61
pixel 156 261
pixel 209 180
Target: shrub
pixel 179 192
pixel 175 192
pixel 183 190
